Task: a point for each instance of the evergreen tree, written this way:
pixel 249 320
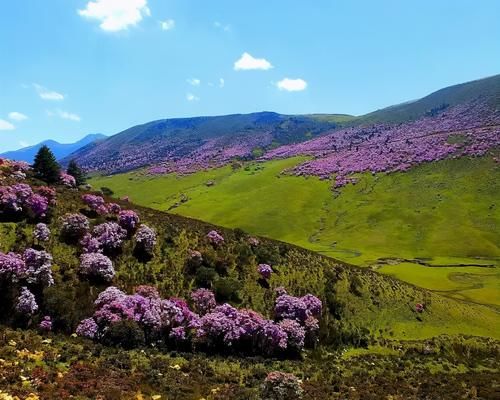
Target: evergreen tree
pixel 76 172
pixel 45 166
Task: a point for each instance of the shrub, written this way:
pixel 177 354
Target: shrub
pixel 126 333
pixel 88 328
pixel 12 266
pixel 281 386
pixel 145 239
pixel 227 289
pixel 204 301
pixel 109 235
pixel 26 303
pixel 78 174
pixel 265 270
pixel 38 267
pixel 41 233
pixel 98 266
pixel 128 220
pixel 46 324
pixel 205 277
pixel 215 238
pixel 74 226
pixel 67 180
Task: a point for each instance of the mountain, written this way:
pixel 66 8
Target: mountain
pixel 60 150
pixel 216 140
pixel 186 145
pixel 450 96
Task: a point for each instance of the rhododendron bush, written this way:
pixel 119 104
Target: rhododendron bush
pixel 210 326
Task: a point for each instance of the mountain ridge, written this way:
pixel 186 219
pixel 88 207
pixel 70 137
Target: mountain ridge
pixel 60 150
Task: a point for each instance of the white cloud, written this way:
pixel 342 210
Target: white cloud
pixel 221 82
pixel 6 125
pixel 116 15
pixel 247 62
pixel 193 81
pixel 64 115
pixel 225 28
pixel 46 94
pixel 22 143
pixel 192 97
pixel 17 116
pixel 167 25
pixel 292 85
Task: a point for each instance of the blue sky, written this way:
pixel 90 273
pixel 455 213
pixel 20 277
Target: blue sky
pixel 74 67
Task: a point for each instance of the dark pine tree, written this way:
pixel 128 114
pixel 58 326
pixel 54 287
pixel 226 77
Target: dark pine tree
pixel 46 167
pixel 76 172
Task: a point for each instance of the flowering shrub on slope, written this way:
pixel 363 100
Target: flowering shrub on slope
pixel 216 327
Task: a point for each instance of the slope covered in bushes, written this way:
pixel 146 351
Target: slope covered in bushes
pixel 82 266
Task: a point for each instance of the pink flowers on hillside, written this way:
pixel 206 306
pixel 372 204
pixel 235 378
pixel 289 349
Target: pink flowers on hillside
pixel 97 266
pixel 218 327
pixel 466 130
pixel 21 198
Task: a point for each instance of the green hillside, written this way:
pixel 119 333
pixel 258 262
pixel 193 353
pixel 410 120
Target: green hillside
pixel 445 214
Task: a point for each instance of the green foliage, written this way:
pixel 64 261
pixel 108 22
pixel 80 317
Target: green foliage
pixel 76 172
pixel 45 166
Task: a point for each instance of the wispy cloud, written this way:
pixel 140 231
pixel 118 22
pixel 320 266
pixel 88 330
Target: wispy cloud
pixel 46 94
pixel 192 97
pixel 64 115
pixel 193 81
pixel 116 15
pixel 17 116
pixel 6 125
pixel 222 82
pixel 23 143
pixel 248 62
pixel 167 25
pixel 292 85
pixel 222 27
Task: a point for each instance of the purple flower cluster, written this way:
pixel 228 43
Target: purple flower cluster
pixel 12 267
pixel 253 241
pixel 38 267
pixel 297 308
pixel 21 198
pixel 97 266
pixel 26 302
pixel 74 226
pixel 146 238
pixel 389 148
pixel 265 270
pixel 203 301
pixel 95 203
pixel 46 324
pixel 67 179
pixel 216 327
pixel 35 267
pixel 41 232
pixel 128 219
pixel 108 236
pixel 215 238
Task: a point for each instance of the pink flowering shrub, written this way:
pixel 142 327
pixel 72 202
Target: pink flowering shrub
pixel 26 302
pixel 215 327
pixel 96 203
pixel 74 226
pixel 46 324
pixel 265 270
pixel 41 233
pixel 67 180
pixel 297 308
pixel 282 386
pixel 97 266
pixel 145 239
pixel 109 235
pixel 215 238
pixel 38 267
pixel 20 198
pixel 12 267
pixel 128 219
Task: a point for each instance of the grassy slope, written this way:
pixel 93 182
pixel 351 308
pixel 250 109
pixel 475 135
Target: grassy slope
pixel 445 212
pixel 365 300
